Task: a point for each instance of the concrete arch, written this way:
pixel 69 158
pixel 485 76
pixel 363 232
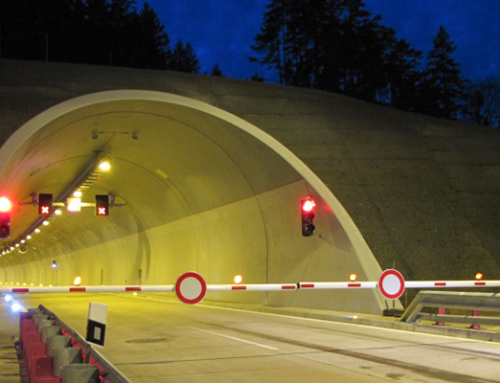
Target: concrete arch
pixel 223 172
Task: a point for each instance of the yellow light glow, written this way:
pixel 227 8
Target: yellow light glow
pixel 134 294
pixel 37 230
pixel 45 223
pixel 77 281
pixel 479 275
pixel 28 237
pixel 238 279
pixel 353 277
pixel 58 212
pixel 104 166
pixel 77 194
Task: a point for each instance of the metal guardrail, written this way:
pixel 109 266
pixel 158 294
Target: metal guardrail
pixel 111 374
pixel 453 300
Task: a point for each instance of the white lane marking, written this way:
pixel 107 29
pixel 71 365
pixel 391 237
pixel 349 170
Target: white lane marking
pixel 238 339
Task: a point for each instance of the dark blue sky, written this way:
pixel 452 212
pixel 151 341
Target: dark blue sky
pixel 221 31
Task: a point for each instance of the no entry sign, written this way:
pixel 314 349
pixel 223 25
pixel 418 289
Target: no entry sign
pixel 190 288
pixel 391 284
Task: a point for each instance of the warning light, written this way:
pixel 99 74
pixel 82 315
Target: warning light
pixel 353 277
pixel 45 204
pixel 307 207
pixel 77 281
pixel 5 208
pixel 238 279
pixel 102 204
pixel 479 276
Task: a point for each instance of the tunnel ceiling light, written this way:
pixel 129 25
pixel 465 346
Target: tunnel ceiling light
pixel 58 212
pixel 104 165
pixel 77 194
pixel 45 223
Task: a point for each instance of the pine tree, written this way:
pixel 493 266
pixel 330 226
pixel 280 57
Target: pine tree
pixel 183 59
pixel 443 85
pixel 216 71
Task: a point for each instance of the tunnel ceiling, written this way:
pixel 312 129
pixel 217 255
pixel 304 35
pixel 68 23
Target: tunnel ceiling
pixel 168 162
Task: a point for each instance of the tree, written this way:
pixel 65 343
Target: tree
pixel 183 58
pixel 442 87
pixel 257 78
pixel 335 45
pixel 484 105
pixel 216 71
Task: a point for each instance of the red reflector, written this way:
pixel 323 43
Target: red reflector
pixel 288 287
pixel 133 289
pixel 479 283
pixel 440 284
pixel 238 287
pixel 307 286
pixel 77 289
pixel 354 285
pixel 21 290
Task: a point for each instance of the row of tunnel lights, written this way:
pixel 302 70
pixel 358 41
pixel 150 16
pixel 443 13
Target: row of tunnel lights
pixel 6 206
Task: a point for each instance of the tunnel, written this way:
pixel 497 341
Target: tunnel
pixel 193 188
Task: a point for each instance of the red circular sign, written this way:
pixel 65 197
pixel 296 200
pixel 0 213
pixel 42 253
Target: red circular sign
pixel 391 284
pixel 190 288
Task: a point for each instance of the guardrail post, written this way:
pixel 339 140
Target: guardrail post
pixel 475 326
pixel 441 311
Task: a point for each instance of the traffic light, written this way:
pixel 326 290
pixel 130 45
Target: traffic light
pixel 45 204
pixel 5 208
pixel 307 207
pixel 102 204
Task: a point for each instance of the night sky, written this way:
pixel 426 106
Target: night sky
pixel 221 31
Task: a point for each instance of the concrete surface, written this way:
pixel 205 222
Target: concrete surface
pixel 423 192
pixel 154 338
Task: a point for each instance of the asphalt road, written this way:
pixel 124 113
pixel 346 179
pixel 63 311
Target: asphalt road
pixel 156 339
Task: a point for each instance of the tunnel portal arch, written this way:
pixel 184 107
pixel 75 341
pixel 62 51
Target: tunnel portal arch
pixel 202 190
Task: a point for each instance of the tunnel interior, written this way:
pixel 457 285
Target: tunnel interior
pixel 194 188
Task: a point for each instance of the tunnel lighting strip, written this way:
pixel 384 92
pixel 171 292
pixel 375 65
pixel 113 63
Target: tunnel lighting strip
pixel 248 287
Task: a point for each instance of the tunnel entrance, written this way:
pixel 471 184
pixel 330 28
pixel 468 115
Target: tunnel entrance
pixel 198 189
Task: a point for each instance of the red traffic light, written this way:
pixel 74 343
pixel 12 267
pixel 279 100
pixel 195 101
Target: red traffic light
pixel 307 211
pixel 308 205
pixel 5 205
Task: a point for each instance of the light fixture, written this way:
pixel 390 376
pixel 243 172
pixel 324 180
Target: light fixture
pixel 54 265
pixel 104 165
pixel 77 194
pixel 238 279
pixel 46 223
